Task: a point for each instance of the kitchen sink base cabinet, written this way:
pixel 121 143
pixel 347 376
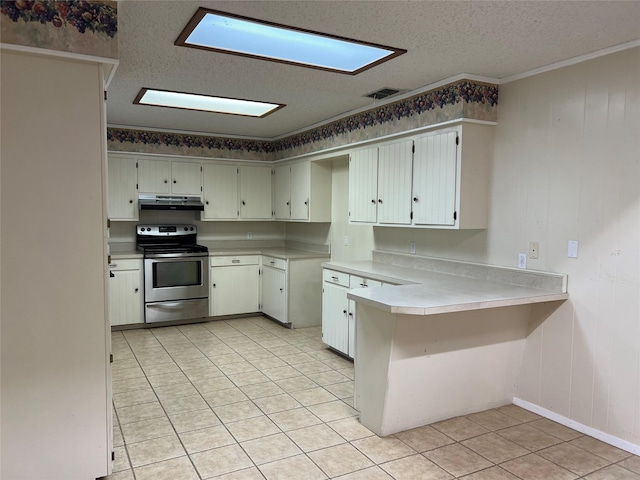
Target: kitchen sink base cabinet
pixel 413 370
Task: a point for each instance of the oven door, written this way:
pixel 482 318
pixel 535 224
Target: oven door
pixel 176 278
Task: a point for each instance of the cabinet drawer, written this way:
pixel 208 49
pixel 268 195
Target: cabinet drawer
pixel 361 282
pixel 339 278
pixel 278 263
pixel 129 264
pixel 224 261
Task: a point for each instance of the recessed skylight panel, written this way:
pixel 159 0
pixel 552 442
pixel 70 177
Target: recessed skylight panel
pixel 205 103
pixel 237 35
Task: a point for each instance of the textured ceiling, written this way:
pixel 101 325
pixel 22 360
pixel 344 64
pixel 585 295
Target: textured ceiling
pixel 443 39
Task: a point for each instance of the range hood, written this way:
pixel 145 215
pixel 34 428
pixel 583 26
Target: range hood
pixel 169 202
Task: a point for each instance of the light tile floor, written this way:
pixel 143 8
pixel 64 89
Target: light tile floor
pixel 248 399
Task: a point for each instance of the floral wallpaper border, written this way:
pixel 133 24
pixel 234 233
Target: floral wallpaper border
pixel 444 103
pixel 62 25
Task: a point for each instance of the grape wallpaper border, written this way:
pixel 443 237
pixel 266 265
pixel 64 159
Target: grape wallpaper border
pixel 457 100
pixel 75 26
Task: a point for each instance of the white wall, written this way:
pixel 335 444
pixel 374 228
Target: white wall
pixel 54 353
pixel 567 167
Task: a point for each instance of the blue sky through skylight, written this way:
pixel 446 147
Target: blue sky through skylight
pixel 242 36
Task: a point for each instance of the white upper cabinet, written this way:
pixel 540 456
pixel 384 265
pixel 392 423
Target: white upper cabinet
pixel 380 184
pixel 394 183
pixel 169 177
pixel 186 178
pixel 255 192
pixel 363 186
pixel 302 192
pixel 451 177
pixel 437 180
pixel 282 192
pixel 434 179
pixel 123 192
pixel 220 192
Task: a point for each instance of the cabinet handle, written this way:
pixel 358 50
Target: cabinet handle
pixel 130 201
pixel 175 181
pixel 111 275
pixel 243 202
pixel 214 285
pixel 281 290
pixel 307 202
pixel 207 202
pixel 136 290
pixel 379 200
pixel 287 204
pixel 335 278
pixel 344 311
pixel 415 199
pixel 235 261
pixel 373 201
pixel 364 285
pixel 272 262
pixel 166 181
pixel 351 314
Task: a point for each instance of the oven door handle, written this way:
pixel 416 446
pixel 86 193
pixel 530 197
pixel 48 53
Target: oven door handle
pixel 175 255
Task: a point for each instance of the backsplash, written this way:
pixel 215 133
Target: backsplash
pixel 457 100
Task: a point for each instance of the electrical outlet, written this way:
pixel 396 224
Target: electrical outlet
pixel 522 260
pixel 249 235
pixel 346 240
pixel 412 247
pixel 534 250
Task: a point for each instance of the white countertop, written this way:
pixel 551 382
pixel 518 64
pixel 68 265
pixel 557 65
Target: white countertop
pixel 424 292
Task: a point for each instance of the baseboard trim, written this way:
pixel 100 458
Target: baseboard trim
pixel 567 422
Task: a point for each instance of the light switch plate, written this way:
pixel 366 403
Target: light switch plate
pixel 249 235
pixel 522 260
pixel 346 240
pixel 412 247
pixel 572 249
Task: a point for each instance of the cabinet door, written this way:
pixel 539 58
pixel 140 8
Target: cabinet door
pixel 123 196
pixel 220 192
pixel 300 183
pixel 125 297
pixel 363 185
pixel 186 178
pixel 335 324
pixel 234 290
pixel 274 294
pixel 394 183
pixel 255 192
pixel 154 175
pixel 282 192
pixel 434 179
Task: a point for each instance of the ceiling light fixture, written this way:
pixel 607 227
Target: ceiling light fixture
pixel 237 35
pixel 205 103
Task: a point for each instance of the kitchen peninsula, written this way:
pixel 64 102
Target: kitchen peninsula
pixel 446 340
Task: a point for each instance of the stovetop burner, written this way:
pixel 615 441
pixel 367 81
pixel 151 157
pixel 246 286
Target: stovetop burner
pixel 168 240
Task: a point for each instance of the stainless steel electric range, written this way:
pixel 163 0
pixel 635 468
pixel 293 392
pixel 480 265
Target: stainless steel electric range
pixel 176 272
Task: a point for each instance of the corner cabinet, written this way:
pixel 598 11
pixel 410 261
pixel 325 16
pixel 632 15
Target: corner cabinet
pixel 436 180
pixel 302 192
pixel 126 298
pixel 292 290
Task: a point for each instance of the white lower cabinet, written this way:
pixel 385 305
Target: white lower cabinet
pixel 126 298
pixel 338 312
pixel 274 288
pixel 234 285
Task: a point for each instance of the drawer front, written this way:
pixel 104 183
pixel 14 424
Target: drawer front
pixel 362 282
pixel 278 263
pixel 129 264
pixel 339 278
pixel 224 261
